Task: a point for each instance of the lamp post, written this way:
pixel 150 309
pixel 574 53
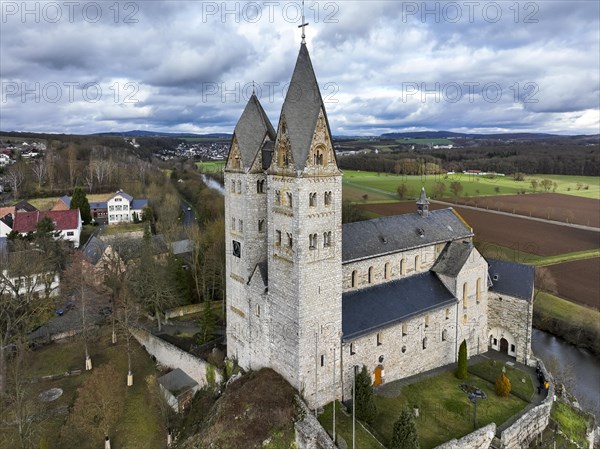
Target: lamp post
pixel 473 398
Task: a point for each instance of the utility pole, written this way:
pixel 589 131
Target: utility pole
pixel 334 395
pixel 354 407
pixel 316 372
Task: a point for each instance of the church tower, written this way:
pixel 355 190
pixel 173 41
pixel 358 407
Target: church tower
pixel 246 224
pixel 305 242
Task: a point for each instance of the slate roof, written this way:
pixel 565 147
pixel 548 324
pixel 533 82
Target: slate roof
pixel 251 130
pixel 66 200
pixel 261 270
pixel 24 206
pixel 94 249
pixel 365 239
pixel 177 382
pixel 127 249
pixel 268 149
pixel 512 279
pixel 138 204
pixel 127 196
pixel 182 247
pixel 63 220
pixel 301 108
pixel 7 220
pixel 98 205
pixel 453 258
pixel 367 310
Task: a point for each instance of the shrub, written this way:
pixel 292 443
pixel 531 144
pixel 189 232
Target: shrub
pixel 503 386
pixel 461 371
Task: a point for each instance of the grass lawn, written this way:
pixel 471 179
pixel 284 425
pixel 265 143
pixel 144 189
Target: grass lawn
pixel 343 427
pixel 549 305
pixel 495 251
pixel 570 422
pixel 210 166
pixel 472 185
pixel 492 369
pixel 123 228
pixel 445 411
pixel 138 427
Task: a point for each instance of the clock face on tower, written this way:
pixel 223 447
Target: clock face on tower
pixel 237 249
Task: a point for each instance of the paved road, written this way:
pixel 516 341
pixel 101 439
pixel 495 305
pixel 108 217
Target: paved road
pixel 189 217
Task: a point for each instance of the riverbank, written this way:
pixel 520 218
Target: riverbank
pixel 572 322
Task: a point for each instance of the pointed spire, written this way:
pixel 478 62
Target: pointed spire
pixel 301 108
pixel 423 204
pixel 251 131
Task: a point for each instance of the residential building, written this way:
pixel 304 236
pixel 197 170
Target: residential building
pixel 66 222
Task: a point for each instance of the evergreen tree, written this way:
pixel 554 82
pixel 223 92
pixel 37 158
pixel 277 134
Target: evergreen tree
pixel 208 323
pixel 366 410
pixel 461 371
pixel 503 386
pixel 405 432
pixel 79 201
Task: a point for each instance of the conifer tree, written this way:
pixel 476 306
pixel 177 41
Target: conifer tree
pixel 405 432
pixel 461 371
pixel 366 410
pixel 79 201
pixel 503 386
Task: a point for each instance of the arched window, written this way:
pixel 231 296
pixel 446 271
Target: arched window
pixel 386 270
pixel 290 199
pixel 370 275
pixel 465 296
pixel 327 198
pixel 260 186
pixel 278 197
pixel 312 241
pixel 318 157
pixel 447 314
pixel 239 187
pixel 290 240
pixel 327 239
pixel 404 329
pixel 426 320
pixel 312 199
pixel 261 225
pixel 444 335
pixel 465 319
pixel 232 187
pixel 379 339
pixel 402 266
pixel 354 283
pixel 478 291
pixel 417 263
pixel 425 343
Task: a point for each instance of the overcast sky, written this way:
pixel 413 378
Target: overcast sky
pixel 175 66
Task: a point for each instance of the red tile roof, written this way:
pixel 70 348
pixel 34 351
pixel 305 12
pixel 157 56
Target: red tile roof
pixel 63 219
pixel 4 211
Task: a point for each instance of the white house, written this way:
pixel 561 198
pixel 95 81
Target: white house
pixel 4 159
pixel 121 207
pixel 14 275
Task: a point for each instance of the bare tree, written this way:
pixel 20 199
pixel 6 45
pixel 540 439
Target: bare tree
pixel 40 170
pixel 72 163
pixel 15 177
pixel 88 177
pixel 128 313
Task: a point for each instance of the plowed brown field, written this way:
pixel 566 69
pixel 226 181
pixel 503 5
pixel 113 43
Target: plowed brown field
pixel 543 239
pixel 579 281
pixel 551 206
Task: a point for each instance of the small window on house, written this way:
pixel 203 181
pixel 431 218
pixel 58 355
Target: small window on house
pixel 322 360
pixel 512 348
pixel 425 343
pixel 70 233
pixel 278 238
pixel 312 199
pixel 326 239
pixel 478 291
pixel 417 263
pixel 370 275
pixel 379 339
pixel 402 266
pixel 444 335
pixel 465 296
pixel 495 342
pixel 352 351
pixel 386 270
pixel 353 280
pixel 404 329
pixel 290 199
pixel 312 241
pixel 447 314
pixel 403 349
pixel 261 225
pixel 426 320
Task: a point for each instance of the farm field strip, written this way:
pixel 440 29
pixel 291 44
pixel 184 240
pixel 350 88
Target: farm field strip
pixel 578 281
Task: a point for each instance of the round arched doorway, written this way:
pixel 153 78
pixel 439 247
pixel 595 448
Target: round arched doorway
pixel 504 345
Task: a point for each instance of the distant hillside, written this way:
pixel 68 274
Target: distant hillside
pixel 256 408
pixel 137 133
pixel 450 135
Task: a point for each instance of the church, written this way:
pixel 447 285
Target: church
pixel 312 298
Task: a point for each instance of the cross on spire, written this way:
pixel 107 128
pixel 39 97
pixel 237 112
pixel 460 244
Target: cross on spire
pixel 304 24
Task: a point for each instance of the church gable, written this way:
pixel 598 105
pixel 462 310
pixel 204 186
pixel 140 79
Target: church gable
pixel 234 159
pixel 283 159
pixel 321 154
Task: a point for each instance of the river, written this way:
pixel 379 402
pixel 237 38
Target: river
pixel 580 369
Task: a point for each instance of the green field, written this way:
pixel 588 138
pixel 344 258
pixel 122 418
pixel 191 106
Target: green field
pixel 210 166
pixel 425 141
pixel 386 184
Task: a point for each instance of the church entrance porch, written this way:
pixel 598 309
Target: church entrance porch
pixel 504 345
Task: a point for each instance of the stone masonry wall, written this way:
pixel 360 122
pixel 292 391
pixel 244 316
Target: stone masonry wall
pixel 171 356
pixel 309 432
pixel 510 318
pixel 530 424
pixel 480 439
